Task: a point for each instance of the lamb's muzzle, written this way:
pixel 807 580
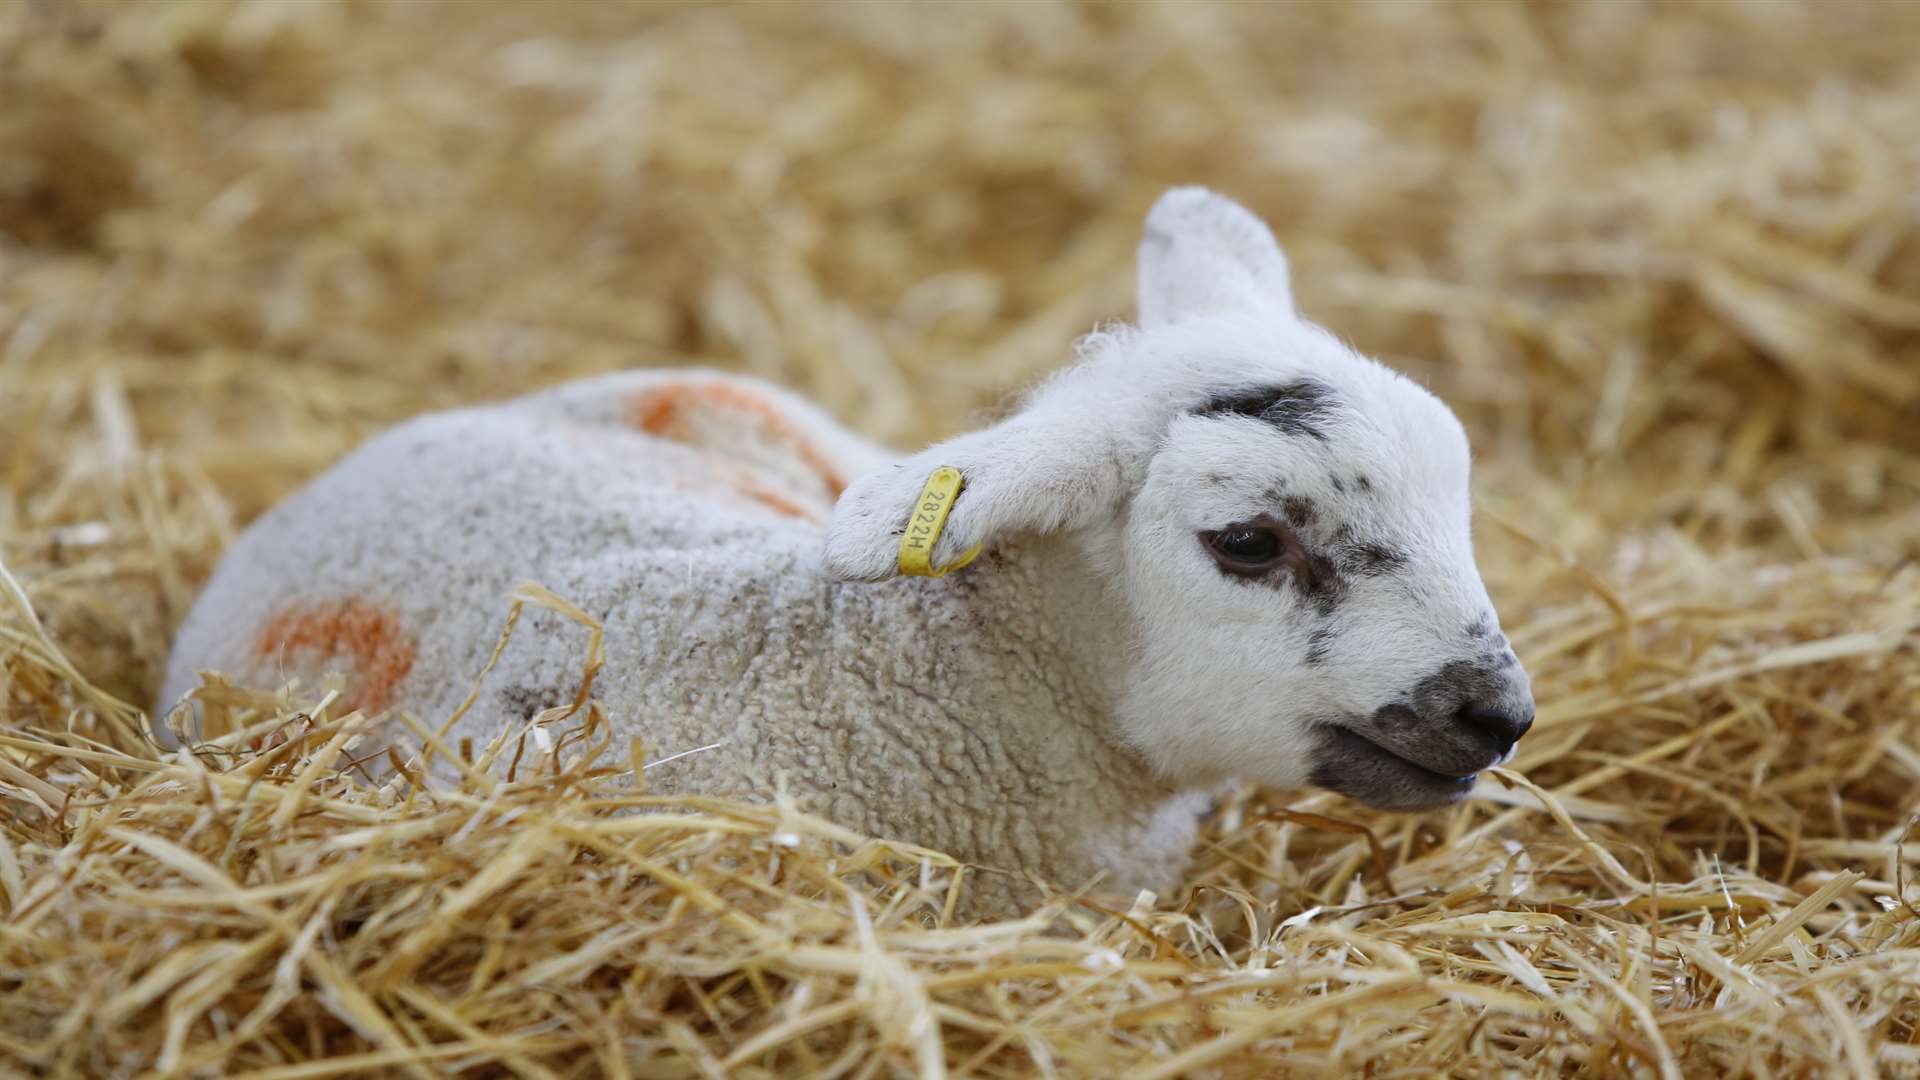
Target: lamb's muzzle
pixel 1426 750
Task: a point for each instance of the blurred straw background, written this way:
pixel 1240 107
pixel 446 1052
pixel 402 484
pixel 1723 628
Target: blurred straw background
pixel 1664 259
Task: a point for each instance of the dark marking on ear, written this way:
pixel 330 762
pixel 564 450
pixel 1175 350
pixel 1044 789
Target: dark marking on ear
pixel 1302 407
pixel 1320 644
pixel 1299 511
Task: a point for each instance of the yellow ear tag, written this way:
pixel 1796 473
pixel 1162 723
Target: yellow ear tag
pixel 929 517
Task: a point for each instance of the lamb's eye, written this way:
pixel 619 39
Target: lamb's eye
pixel 1247 549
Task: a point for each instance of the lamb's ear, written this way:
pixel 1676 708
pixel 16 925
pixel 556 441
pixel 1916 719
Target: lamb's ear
pixel 1033 473
pixel 1203 253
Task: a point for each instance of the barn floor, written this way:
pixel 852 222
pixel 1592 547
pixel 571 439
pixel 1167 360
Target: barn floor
pixel 1664 259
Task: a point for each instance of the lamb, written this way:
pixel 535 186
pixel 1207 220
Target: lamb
pixel 1221 547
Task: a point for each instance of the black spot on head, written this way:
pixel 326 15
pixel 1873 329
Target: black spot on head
pixel 1217 479
pixel 1322 585
pixel 1299 511
pixel 1372 559
pixel 1363 483
pixel 1481 627
pixel 1320 644
pixel 1302 407
pixel 1338 484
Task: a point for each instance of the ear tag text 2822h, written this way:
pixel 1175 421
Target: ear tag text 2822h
pixel 929 516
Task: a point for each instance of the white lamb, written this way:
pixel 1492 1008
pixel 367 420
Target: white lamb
pixel 1221 546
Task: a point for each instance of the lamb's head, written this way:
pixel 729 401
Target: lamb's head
pixel 1285 522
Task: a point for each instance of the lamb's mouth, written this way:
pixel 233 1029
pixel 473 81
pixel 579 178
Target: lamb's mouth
pixel 1359 768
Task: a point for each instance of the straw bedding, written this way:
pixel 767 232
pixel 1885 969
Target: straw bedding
pixel 1662 258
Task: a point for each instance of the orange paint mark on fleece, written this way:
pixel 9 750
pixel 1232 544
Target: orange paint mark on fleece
pixel 745 485
pixel 773 500
pixel 661 412
pixel 382 652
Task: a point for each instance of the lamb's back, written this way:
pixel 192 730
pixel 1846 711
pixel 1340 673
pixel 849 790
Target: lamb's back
pixel 396 567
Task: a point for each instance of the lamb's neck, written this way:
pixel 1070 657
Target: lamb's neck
pixel 1004 676
pixel 1111 818
pixel 1039 641
pixel 1072 627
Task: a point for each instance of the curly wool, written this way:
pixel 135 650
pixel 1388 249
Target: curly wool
pixel 685 512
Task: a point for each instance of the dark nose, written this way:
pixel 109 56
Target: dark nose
pixel 1502 726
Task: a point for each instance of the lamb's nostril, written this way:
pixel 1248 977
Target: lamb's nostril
pixel 1503 724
